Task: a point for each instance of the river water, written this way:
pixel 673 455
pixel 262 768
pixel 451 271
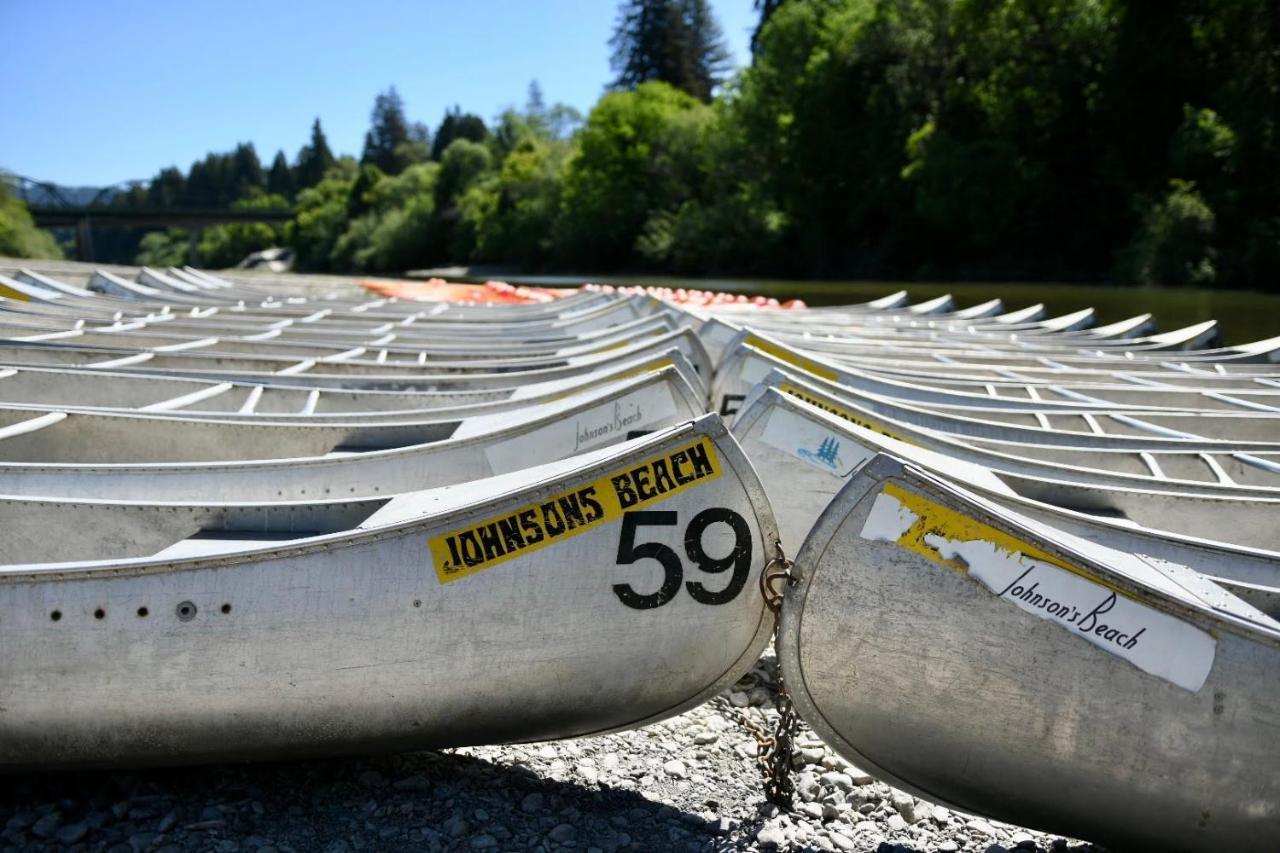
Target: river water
pixel 1242 316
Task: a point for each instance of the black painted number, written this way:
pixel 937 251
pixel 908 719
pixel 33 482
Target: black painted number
pixel 629 552
pixel 729 404
pixel 738 559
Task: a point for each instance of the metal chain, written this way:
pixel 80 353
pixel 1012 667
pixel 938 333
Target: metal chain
pixel 774 749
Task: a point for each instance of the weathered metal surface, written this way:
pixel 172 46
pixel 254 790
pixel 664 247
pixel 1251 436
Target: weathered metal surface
pixel 377 638
pixel 85 389
pixel 815 453
pixel 745 364
pixel 477 447
pixel 1155 729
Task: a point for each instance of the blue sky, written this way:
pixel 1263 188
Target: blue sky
pixel 95 92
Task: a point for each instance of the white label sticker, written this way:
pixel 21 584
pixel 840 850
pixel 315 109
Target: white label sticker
pixel 888 520
pixel 813 443
pixel 598 426
pixel 1151 640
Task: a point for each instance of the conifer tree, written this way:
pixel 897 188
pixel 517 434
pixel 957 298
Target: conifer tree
pixel 314 159
pixel 766 9
pixel 388 131
pixel 457 125
pixel 245 171
pixel 280 176
pixel 675 41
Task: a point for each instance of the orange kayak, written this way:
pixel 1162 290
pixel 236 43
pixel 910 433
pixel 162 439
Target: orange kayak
pixel 503 293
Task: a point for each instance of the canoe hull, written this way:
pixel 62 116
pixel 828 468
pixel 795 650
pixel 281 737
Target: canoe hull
pixel 366 643
pixel 920 674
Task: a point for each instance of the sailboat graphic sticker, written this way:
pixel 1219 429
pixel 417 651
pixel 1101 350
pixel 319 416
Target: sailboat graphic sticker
pixel 828 453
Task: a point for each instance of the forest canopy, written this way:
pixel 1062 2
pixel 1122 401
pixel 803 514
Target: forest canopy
pixel 1010 139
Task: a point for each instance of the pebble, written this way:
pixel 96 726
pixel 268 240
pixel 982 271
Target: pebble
pixel 981 827
pixel 842 841
pixel 46 826
pixel 834 779
pixel 412 783
pixel 771 835
pixel 686 784
pixel 72 832
pixel 905 805
pixel 562 833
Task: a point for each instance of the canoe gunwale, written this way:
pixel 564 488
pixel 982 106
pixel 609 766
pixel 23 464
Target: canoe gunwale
pixel 550 482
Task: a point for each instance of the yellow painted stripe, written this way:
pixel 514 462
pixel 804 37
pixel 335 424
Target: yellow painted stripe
pixel 841 412
pixel 650 367
pixel 573 511
pixel 16 295
pixel 934 519
pixel 791 357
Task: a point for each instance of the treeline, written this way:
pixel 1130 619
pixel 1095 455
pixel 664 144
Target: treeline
pixel 1120 140
pixel 394 148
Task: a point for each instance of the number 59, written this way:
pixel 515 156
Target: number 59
pixel 738 558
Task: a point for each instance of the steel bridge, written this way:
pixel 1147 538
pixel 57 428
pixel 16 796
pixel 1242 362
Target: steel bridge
pixel 54 210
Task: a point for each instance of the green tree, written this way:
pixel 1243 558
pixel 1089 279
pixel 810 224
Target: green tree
pixel 280 177
pixel 394 227
pixel 227 244
pixel 675 41
pixel 246 170
pixel 19 236
pixel 516 214
pixel 457 125
pixel 1175 243
pixel 637 158
pixel 388 144
pixel 766 8
pixel 321 218
pixel 453 235
pixel 315 159
pixel 169 248
pixel 167 189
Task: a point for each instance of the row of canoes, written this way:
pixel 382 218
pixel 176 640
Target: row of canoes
pixel 1040 575
pixel 1037 573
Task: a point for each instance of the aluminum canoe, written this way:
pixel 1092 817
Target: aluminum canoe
pixel 379 350
pixel 319 373
pixel 1209 509
pixel 815 453
pixel 475 448
pixel 522 608
pixel 86 389
pixel 991 663
pixel 1164 446
pixel 411 333
pixel 748 363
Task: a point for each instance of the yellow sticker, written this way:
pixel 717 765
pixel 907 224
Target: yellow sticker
pixel 16 295
pixel 791 357
pixel 841 412
pixel 651 367
pixel 573 511
pixel 606 378
pixel 933 519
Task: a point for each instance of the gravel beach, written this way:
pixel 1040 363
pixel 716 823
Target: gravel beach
pixel 687 784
